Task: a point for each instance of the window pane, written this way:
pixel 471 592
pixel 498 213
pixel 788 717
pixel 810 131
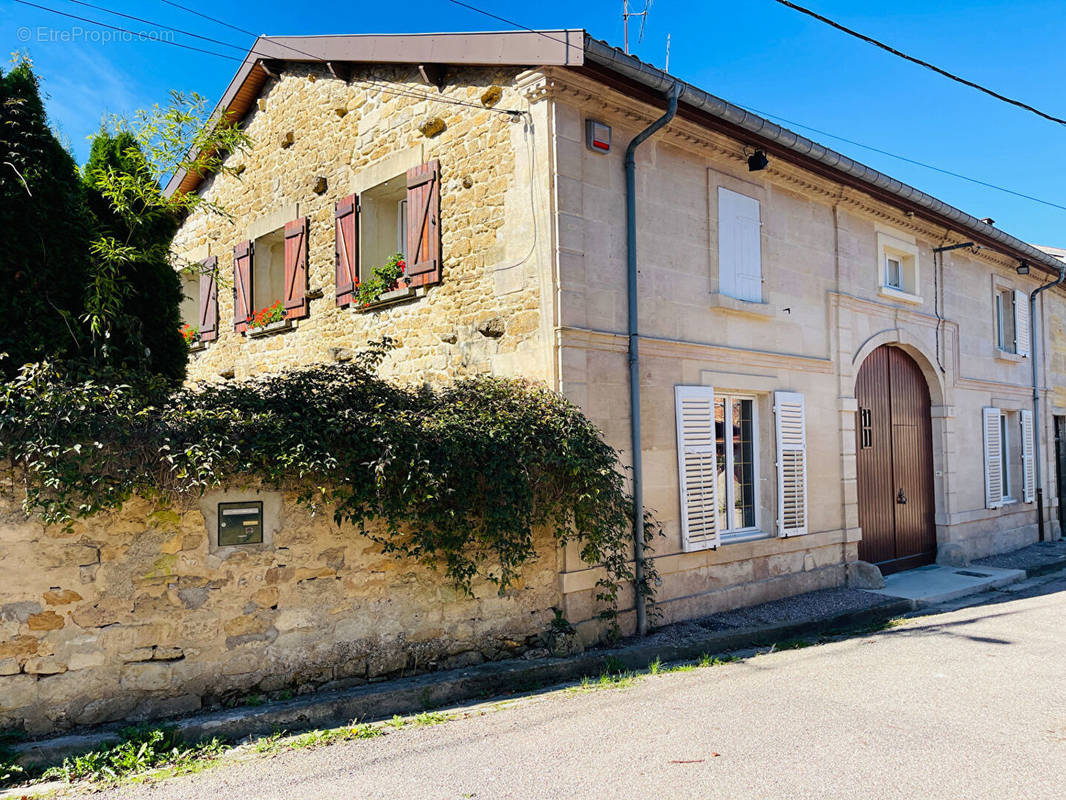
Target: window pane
pixel 720 456
pixel 1003 460
pixel 743 466
pixel 1005 307
pixel 893 276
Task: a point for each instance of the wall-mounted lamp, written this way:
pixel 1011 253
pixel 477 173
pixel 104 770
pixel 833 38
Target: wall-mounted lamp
pixel 1023 268
pixel 757 161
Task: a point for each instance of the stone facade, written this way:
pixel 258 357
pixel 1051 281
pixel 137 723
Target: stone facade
pixel 136 614
pixel 822 312
pixel 485 316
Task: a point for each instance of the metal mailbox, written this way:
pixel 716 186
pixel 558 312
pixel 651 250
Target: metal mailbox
pixel 240 523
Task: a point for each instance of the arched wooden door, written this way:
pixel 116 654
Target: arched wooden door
pixel 894 455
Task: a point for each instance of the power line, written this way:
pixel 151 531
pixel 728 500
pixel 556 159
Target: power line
pixel 383 85
pixel 902 158
pixel 808 127
pixel 512 23
pixel 919 62
pixel 200 14
pixel 139 35
pixel 157 25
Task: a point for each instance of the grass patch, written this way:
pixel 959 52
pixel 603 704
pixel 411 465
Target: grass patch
pixel 141 751
pixel 793 644
pixel 427 718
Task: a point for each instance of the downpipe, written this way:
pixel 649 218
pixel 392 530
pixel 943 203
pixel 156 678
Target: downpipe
pixel 634 355
pixel 1038 426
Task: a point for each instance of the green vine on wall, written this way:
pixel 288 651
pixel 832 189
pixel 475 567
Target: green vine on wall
pixel 458 477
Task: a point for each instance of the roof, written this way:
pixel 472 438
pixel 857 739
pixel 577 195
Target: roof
pixel 573 48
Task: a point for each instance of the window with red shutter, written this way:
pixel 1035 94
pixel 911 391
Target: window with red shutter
pixel 296 305
pixel 242 285
pixel 346 237
pixel 423 224
pixel 208 301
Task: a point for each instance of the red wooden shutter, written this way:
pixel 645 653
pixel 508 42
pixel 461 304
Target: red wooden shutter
pixel 296 268
pixel 347 248
pixel 209 299
pixel 423 224
pixel 242 285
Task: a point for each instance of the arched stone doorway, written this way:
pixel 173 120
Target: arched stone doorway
pixel 894 462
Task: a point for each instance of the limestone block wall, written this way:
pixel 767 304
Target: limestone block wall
pixel 824 309
pixel 135 615
pixel 354 134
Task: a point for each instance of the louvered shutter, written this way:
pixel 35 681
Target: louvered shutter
pixel 346 238
pixel 739 246
pixel 242 285
pixel 1028 461
pixel 423 224
pixel 697 473
pixel 791 433
pixel 296 269
pixel 993 442
pixel 209 299
pixel 1021 323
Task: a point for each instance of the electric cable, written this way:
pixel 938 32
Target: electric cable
pixel 976 181
pixel 919 62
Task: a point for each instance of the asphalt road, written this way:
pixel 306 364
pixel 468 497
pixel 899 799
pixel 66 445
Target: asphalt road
pixel 968 703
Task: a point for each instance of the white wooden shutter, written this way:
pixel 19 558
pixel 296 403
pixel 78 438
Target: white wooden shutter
pixel 1021 323
pixel 1028 462
pixel 993 458
pixel 739 246
pixel 697 473
pixel 791 426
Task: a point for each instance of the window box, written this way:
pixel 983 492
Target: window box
pixel 395 297
pixel 267 330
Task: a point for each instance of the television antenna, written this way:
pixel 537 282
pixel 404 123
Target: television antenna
pixel 626 14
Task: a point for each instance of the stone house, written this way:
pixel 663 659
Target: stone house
pixel 832 367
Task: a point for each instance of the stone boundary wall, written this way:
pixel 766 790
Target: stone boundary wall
pixel 134 615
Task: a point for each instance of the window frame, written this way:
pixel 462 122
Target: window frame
pixel 1002 343
pixel 1005 459
pixel 254 267
pixel 893 258
pixel 365 264
pixel 906 254
pixel 727 503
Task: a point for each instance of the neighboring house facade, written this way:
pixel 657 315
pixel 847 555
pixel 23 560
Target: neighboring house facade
pixel 833 367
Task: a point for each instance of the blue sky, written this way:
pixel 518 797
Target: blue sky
pixel 755 53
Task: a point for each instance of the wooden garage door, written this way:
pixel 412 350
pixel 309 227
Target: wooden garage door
pixel 894 456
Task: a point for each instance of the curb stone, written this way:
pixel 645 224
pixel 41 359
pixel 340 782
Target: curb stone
pixel 453 687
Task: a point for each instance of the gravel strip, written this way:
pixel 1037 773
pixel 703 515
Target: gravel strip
pixel 809 607
pixel 1035 555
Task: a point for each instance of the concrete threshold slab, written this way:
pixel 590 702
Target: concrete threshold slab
pixel 933 584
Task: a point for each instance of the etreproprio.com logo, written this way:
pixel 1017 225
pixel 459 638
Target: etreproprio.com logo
pixel 76 33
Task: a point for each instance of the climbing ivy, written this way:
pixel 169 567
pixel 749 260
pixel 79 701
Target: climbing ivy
pixel 458 477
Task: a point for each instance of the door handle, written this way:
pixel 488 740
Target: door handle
pixel 901 498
